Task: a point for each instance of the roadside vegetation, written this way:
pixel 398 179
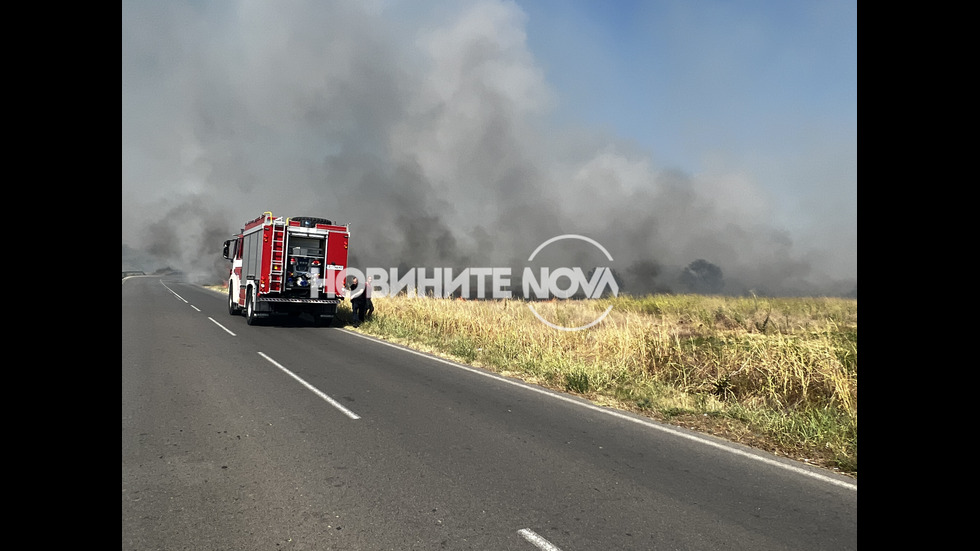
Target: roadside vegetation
pixel 779 374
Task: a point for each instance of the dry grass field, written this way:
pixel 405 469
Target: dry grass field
pixel 778 374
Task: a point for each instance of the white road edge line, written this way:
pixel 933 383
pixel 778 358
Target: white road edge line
pixel 222 326
pixel 650 424
pixel 315 390
pixel 537 541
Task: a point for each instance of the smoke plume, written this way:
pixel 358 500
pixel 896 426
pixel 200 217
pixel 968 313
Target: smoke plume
pixel 429 134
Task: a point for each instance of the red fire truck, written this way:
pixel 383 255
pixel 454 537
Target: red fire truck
pixel 287 266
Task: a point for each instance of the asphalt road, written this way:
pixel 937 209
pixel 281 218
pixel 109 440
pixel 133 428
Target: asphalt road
pixel 290 436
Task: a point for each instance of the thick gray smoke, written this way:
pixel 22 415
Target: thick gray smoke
pixel 429 134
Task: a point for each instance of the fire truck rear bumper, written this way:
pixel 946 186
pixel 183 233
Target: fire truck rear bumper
pixel 317 307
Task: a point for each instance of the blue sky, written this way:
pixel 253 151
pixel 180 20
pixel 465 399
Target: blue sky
pixel 751 84
pixel 654 70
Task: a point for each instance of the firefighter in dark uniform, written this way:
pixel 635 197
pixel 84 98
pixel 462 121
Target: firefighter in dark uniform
pixel 368 304
pixel 358 301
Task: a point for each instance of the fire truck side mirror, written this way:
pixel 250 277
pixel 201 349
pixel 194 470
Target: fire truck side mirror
pixel 225 251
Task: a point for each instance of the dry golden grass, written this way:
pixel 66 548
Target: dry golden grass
pixel 780 374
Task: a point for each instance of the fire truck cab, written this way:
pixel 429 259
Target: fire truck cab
pixel 287 266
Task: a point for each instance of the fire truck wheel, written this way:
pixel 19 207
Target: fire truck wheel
pixel 233 308
pixel 249 310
